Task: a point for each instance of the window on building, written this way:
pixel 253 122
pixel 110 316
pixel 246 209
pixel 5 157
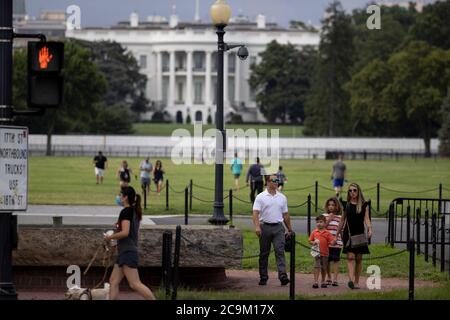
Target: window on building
pixel 252 60
pixel 165 62
pixel 165 90
pixel 143 61
pixel 198 94
pixel 199 61
pixel 214 62
pixel 180 91
pixel 179 61
pixel 252 94
pixel 231 90
pixel 215 92
pixel 231 62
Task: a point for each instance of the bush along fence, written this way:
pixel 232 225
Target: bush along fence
pixel 425 220
pixel 170 266
pixel 195 192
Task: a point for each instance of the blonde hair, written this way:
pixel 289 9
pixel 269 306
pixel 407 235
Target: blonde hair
pixel 360 202
pixel 337 203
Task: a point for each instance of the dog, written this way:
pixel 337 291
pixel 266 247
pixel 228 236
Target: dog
pixel 77 293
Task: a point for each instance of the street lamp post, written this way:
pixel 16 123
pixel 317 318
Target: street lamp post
pixel 220 16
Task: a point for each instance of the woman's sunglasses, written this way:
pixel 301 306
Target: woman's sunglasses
pixel 352 190
pixel 275 180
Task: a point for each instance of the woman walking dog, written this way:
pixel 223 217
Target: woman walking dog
pixel 127 246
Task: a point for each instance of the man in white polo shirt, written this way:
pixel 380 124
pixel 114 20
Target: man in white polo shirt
pixel 270 210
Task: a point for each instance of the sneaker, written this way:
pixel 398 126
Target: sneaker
pixel 335 284
pixel 351 285
pixel 329 282
pixel 315 286
pixel 284 281
pixel 262 282
pixel 324 285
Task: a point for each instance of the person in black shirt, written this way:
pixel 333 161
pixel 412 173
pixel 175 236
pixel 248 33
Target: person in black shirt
pixel 255 175
pixel 100 164
pixel 124 174
pixel 127 230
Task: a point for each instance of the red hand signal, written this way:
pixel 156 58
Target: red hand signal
pixel 44 58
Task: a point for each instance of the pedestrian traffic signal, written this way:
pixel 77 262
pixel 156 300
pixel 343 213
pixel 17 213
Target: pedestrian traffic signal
pixel 45 81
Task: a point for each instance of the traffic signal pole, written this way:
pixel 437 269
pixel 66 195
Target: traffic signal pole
pixel 7 290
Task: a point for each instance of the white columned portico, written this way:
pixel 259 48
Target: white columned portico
pixel 208 99
pixel 159 77
pixel 171 99
pixel 189 80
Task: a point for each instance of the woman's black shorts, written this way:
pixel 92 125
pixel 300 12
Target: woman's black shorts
pixel 128 258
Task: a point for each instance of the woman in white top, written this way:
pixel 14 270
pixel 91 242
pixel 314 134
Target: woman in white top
pixel 333 209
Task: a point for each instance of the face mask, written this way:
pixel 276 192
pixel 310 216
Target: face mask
pixel 118 201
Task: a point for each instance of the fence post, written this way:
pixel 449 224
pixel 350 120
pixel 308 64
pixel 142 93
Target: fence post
pixel 190 195
pixel 369 240
pixel 166 261
pixel 442 243
pixel 230 201
pixel 308 219
pixel 426 234
pixel 440 199
pixel 167 194
pixel 411 269
pixel 418 230
pixel 434 237
pixel 144 192
pixel 391 232
pixel 408 225
pixel 186 211
pixel 378 197
pixel 176 262
pixel 292 272
pixel 316 197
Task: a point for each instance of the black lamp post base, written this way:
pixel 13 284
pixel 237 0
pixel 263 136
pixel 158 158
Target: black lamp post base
pixel 216 220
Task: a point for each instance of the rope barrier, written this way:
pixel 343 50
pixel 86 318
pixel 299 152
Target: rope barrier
pixel 202 187
pixel 398 191
pixel 170 187
pixel 369 189
pixel 298 189
pixel 206 201
pixel 245 201
pixel 443 188
pixel 300 205
pixel 326 188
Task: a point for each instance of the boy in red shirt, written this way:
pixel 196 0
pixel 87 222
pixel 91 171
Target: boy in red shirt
pixel 323 238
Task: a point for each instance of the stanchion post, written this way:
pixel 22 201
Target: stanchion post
pixel 434 237
pixel 167 194
pixel 190 195
pixel 166 261
pixel 426 234
pixel 418 230
pixel 440 199
pixel 308 219
pixel 378 197
pixel 442 243
pixel 186 211
pixel 369 240
pixel 292 272
pixel 391 231
pixel 176 262
pixel 230 202
pixel 411 268
pixel 316 197
pixel 408 225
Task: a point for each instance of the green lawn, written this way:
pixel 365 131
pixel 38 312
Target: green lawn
pixel 166 129
pixel 71 180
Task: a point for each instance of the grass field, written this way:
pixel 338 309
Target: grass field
pixel 166 129
pixel 71 180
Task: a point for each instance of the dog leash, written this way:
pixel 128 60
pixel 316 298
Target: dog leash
pixel 106 255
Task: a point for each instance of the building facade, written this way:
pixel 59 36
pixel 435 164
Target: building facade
pixel 180 62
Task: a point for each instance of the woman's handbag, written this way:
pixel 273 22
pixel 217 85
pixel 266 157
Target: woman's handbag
pixel 356 241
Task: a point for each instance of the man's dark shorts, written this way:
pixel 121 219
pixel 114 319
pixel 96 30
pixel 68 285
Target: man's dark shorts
pixel 338 183
pixel 237 175
pixel 335 254
pixel 129 259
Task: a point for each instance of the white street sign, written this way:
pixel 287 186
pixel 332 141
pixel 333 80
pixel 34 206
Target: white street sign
pixel 13 168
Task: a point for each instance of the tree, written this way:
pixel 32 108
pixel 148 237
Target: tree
pixel 444 131
pixel 282 81
pixel 126 85
pixel 327 109
pixel 406 91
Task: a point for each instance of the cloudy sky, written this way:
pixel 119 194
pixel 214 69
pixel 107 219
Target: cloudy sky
pixel 109 12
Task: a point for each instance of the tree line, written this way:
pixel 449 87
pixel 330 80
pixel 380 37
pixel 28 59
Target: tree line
pixel 359 82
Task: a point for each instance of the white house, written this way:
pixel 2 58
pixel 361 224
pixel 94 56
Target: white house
pixel 179 60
